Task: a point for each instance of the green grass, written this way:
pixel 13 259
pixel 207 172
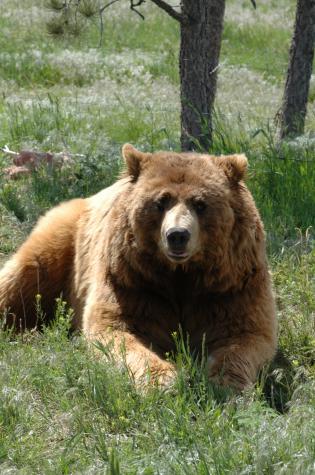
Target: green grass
pixel 254 47
pixel 62 411
pixel 281 178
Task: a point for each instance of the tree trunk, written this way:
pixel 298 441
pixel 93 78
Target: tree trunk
pixel 198 61
pixel 294 103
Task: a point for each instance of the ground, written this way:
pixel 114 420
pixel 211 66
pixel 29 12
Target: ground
pixel 62 412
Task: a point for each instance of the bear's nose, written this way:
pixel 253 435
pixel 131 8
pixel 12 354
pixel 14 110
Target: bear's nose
pixel 177 238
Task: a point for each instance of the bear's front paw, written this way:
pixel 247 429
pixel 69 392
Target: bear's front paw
pixel 229 370
pixel 162 375
pixel 154 373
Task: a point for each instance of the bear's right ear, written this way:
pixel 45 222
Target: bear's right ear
pixel 234 166
pixel 133 159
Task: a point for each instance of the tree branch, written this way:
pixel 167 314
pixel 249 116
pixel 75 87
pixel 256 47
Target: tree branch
pixel 170 10
pixel 100 12
pixel 134 4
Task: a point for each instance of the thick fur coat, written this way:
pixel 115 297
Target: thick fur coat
pixel 176 243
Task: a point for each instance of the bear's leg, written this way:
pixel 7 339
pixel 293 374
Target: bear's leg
pixel 99 321
pixel 237 361
pixel 103 322
pixel 143 363
pixel 42 265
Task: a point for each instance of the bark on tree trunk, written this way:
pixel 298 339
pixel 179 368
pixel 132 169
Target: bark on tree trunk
pixel 294 103
pixel 198 62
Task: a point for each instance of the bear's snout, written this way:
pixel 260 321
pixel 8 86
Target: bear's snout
pixel 177 239
pixel 180 233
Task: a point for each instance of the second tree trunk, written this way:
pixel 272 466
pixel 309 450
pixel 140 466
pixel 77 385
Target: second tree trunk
pixel 293 111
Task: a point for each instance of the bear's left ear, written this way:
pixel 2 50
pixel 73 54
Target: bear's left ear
pixel 234 166
pixel 134 160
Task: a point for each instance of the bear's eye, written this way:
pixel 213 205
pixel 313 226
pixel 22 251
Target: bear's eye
pixel 199 206
pixel 162 203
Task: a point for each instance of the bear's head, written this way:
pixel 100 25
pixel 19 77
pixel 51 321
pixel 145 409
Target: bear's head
pixel 189 210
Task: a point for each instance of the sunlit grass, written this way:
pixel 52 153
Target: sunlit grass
pixel 254 46
pixel 61 408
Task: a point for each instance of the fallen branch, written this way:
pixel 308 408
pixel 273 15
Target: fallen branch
pixel 27 161
pixel 7 151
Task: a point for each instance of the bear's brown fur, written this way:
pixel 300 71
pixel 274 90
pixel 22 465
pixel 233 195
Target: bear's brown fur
pixel 177 242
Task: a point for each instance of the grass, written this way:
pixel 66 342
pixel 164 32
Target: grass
pixel 61 411
pixel 69 413
pixel 248 46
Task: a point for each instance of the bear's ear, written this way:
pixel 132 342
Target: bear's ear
pixel 133 159
pixel 234 166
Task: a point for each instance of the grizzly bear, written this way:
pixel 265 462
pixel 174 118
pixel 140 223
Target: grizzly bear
pixel 177 242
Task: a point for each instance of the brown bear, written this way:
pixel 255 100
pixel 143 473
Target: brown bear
pixel 177 242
